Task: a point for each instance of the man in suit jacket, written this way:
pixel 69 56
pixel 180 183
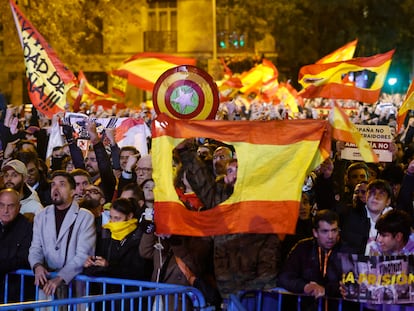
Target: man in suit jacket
pixel 63 236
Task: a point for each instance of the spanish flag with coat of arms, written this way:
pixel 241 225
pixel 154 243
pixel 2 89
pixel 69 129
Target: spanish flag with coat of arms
pixel 274 158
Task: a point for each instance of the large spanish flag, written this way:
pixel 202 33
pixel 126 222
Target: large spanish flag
pixel 48 79
pixel 358 79
pixel 345 52
pixel 274 157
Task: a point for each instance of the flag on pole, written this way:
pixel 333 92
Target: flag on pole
pixel 269 154
pixel 143 70
pixel 253 79
pixel 407 105
pixel 345 52
pixel 48 78
pixel 344 130
pixel 358 79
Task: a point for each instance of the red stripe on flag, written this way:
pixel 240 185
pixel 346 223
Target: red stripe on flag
pixel 176 219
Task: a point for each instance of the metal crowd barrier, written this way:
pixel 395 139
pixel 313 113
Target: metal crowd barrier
pixel 130 294
pixel 281 300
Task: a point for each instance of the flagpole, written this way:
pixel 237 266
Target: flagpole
pixel 214 30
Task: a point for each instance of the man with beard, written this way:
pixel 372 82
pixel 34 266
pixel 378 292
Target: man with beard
pixel 63 238
pixel 15 175
pixel 36 177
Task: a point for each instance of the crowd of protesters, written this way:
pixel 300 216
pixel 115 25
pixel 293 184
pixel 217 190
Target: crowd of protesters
pixel 91 211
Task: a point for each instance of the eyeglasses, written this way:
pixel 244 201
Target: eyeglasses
pixel 144 170
pixel 93 191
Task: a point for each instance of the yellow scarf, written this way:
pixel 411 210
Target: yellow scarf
pixel 119 230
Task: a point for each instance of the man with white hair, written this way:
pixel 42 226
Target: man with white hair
pixel 15 175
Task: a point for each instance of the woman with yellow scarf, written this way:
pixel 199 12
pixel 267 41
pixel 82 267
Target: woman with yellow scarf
pixel 118 255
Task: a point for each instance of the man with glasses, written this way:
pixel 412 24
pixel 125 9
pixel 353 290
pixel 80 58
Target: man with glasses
pixel 358 227
pixel 144 169
pixel 313 265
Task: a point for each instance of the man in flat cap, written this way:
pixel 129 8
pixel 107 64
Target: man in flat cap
pixel 15 175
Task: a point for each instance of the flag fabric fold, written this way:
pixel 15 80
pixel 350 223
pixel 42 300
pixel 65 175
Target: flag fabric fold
pixel 358 79
pixel 270 155
pixel 345 52
pixel 86 92
pixel 253 79
pixel 344 130
pixel 143 70
pixel 48 78
pixel 407 105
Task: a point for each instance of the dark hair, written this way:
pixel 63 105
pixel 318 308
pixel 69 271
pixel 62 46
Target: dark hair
pixel 357 166
pixel 136 191
pixel 393 173
pixel 395 221
pixel 124 206
pixel 132 149
pixel 145 181
pixel 81 172
pixel 325 215
pixel 380 184
pixel 28 156
pixel 66 175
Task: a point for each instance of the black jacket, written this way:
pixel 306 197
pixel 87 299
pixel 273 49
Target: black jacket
pixel 302 267
pixel 124 259
pixel 15 240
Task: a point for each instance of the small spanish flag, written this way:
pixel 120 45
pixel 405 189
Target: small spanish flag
pixel 274 157
pixel 406 106
pixel 345 52
pixel 358 79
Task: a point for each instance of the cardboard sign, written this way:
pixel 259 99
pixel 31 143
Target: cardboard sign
pixel 380 139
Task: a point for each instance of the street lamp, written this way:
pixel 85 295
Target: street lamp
pixel 391 82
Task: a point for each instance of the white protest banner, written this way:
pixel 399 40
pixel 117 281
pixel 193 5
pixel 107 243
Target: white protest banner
pixel 380 139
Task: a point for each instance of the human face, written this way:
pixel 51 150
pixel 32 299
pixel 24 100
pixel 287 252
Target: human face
pixel 116 216
pixel 91 164
pixel 144 169
pixel 123 158
pixel 305 207
pixel 220 158
pixel 13 180
pixel 388 243
pixel 231 176
pixel 33 175
pixel 148 191
pixel 204 153
pixel 93 192
pixel 360 192
pixel 81 183
pixel 9 206
pixel 356 176
pixel 377 200
pixel 61 192
pixel 327 235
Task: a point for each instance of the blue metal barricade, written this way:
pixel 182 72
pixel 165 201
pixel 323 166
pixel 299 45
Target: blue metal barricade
pixel 127 295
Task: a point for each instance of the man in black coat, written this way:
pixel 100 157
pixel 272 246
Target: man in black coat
pixel 15 238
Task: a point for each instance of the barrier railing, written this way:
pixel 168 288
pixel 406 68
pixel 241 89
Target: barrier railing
pixel 281 300
pixel 130 294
